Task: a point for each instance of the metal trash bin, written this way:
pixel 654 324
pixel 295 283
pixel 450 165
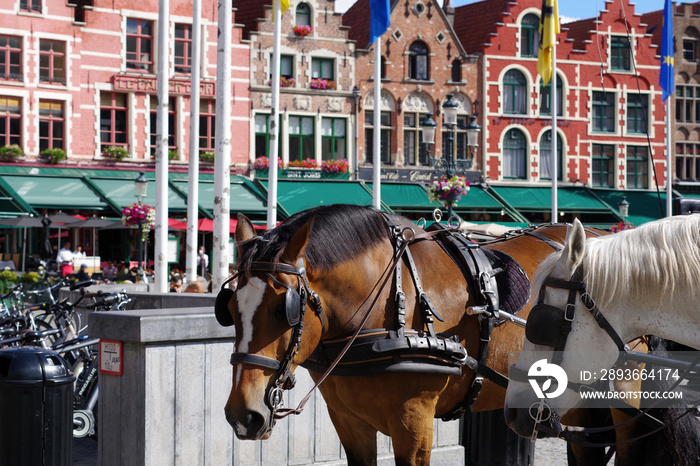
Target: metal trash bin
pixel 36 402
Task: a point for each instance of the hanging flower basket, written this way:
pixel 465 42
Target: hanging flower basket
pixel 302 31
pixel 448 190
pixel 137 212
pixel 621 226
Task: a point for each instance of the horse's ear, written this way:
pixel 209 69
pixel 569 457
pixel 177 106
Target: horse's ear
pixel 575 245
pixel 297 244
pixel 244 231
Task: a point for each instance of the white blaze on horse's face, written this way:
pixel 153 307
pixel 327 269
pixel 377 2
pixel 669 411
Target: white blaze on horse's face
pixel 248 299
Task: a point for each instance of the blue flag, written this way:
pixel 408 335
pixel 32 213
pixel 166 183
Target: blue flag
pixel 381 12
pixel 666 79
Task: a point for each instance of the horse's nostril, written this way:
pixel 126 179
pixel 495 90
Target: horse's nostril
pixel 250 425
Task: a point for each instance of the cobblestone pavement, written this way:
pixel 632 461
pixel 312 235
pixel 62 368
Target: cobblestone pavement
pixel 550 452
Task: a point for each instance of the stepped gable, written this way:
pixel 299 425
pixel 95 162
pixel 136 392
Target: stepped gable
pixel 476 22
pixel 358 19
pixel 248 13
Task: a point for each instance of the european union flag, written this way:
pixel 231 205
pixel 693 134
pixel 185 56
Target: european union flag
pixel 380 18
pixel 666 79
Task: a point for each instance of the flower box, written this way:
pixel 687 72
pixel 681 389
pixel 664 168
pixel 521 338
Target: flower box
pixel 302 31
pixel 325 84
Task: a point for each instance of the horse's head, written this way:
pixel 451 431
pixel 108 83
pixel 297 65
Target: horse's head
pixel 545 381
pixel 269 308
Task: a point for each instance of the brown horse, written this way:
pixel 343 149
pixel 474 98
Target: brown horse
pixel 331 262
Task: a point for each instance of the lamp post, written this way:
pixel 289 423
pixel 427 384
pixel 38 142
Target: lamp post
pixel 140 187
pixel 447 163
pixel 356 95
pixel 624 208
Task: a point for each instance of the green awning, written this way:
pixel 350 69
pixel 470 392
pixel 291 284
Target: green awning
pixel 406 196
pixel 478 200
pixel 11 204
pixel 539 199
pixel 121 193
pixel 50 192
pixel 241 198
pixel 644 205
pixel 295 196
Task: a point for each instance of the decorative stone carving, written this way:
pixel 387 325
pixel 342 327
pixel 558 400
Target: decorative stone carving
pixel 387 102
pixel 266 100
pixel 464 105
pixel 416 102
pixel 334 105
pixel 302 103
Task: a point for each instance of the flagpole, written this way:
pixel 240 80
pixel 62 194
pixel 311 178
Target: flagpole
pixel 274 121
pixel 161 226
pixel 222 158
pixel 376 143
pixel 669 187
pixel 193 176
pixel 555 162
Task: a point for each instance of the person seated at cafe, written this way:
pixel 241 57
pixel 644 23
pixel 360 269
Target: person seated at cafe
pixel 123 273
pixel 110 271
pixel 176 283
pixel 82 274
pixel 78 253
pixel 194 287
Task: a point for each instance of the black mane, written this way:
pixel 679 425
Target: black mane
pixel 340 232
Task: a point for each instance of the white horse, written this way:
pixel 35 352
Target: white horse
pixel 642 281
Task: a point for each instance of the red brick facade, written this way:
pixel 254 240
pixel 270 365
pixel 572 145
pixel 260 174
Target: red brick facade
pixel 316 116
pixel 419 51
pixel 73 82
pixel 604 114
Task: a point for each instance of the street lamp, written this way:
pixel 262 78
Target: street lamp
pixel 140 187
pixel 624 208
pixel 447 163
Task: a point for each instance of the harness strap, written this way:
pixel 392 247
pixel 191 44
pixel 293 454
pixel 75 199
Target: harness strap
pixel 255 360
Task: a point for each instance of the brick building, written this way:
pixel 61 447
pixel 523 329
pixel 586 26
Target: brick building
pixel 686 100
pixel 80 76
pixel 422 62
pixel 317 69
pixel 608 100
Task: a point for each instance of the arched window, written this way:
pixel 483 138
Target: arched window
pixel 529 35
pixel 546 98
pixel 546 156
pixel 514 93
pixel 514 155
pixel 457 71
pixel 303 14
pixel 382 67
pixel 418 61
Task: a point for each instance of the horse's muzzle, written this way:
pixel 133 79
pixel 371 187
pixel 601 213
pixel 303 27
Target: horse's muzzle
pixel 250 425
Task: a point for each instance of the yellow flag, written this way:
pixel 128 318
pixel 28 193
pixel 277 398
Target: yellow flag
pixel 549 28
pixel 285 5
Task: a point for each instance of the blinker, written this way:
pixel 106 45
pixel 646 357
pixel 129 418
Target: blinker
pixel 223 316
pixel 544 325
pixel 292 304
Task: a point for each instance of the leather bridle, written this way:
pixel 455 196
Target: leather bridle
pixel 295 309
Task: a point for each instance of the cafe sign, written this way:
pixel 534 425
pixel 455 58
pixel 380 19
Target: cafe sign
pixel 149 85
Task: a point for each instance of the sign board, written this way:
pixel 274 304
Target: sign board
pixel 173 251
pixel 111 361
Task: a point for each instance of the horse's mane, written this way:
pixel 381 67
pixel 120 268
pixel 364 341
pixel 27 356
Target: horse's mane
pixel 340 232
pixel 647 264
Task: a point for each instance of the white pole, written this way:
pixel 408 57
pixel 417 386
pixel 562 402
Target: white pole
pixel 161 226
pixel 555 161
pixel 222 160
pixel 274 120
pixel 669 174
pixel 193 175
pixel 376 143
